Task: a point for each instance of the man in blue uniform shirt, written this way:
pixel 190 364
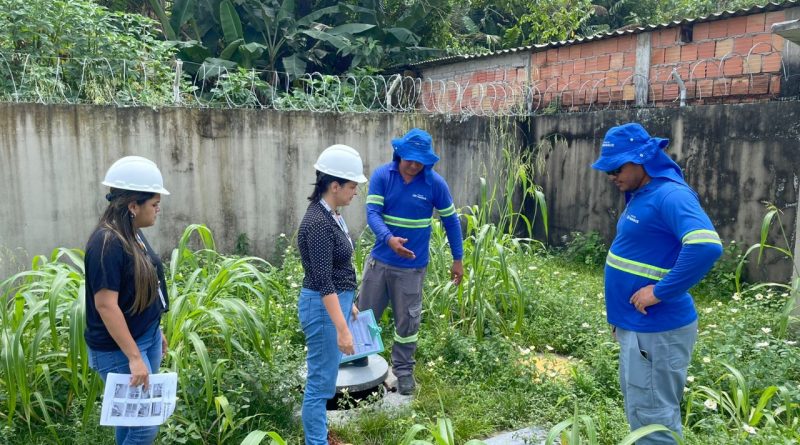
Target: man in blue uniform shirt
pixel 665 244
pixel 400 203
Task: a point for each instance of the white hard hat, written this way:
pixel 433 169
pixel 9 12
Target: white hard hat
pixel 343 162
pixel 135 173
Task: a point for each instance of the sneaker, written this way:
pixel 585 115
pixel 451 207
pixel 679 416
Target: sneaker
pixel 406 385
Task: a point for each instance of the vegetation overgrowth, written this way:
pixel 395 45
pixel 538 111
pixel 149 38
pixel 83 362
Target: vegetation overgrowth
pixel 523 341
pixel 269 53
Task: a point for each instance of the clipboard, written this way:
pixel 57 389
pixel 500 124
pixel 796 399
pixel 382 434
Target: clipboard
pixel 366 336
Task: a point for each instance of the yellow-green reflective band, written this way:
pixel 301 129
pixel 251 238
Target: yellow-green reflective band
pixel 701 236
pixel 409 339
pixel 448 211
pixel 635 267
pixel 407 223
pixel 375 199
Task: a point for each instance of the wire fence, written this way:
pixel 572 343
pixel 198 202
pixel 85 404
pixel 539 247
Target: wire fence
pixel 49 80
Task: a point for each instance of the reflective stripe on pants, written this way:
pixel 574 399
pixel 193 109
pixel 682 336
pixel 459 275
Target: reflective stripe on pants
pixel 382 285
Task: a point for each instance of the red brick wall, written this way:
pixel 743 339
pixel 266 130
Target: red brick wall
pixel 586 73
pixel 732 60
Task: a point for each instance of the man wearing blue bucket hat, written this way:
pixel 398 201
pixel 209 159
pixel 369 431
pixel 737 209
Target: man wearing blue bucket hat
pixel 400 203
pixel 665 244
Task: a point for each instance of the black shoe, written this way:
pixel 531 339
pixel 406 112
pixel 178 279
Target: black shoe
pixel 406 385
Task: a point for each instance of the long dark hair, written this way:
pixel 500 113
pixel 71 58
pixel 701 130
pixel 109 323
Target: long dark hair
pixel 324 180
pixel 117 221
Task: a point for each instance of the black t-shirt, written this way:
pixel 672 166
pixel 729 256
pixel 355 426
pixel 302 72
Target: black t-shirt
pixel 112 268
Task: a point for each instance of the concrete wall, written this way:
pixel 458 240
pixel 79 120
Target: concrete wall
pixel 246 171
pixel 237 171
pixel 735 156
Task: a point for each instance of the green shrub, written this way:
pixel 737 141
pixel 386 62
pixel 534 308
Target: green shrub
pixel 586 248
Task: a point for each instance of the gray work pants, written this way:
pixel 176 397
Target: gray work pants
pixel 383 284
pixel 652 374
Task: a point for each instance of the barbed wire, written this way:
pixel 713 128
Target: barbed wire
pixel 41 79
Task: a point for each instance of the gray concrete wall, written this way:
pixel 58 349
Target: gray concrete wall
pixel 735 156
pixel 237 171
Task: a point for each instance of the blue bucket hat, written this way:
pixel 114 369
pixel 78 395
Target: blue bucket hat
pixel 416 145
pixel 628 143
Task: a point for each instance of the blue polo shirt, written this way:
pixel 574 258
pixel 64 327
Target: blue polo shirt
pixel 395 208
pixel 663 238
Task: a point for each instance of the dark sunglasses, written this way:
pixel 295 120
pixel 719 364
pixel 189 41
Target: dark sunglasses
pixel 614 172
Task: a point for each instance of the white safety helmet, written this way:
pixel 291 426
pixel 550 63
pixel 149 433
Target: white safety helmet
pixel 343 162
pixel 135 173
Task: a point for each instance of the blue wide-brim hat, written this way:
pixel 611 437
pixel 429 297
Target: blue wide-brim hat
pixel 628 143
pixel 416 145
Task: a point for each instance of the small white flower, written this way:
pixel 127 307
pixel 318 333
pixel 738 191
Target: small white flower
pixel 555 272
pixel 734 310
pixel 585 325
pixel 706 359
pixel 708 310
pixel 791 342
pixel 574 274
pixel 710 404
pixel 293 285
pixel 531 267
pixel 737 297
pixel 766 330
pixel 762 344
pixel 685 389
pixel 282 235
pixel 712 326
pixel 719 303
pixel 548 347
pixel 690 379
pixel 749 429
pixel 604 313
pixel 759 297
pixel 524 351
pixel 784 294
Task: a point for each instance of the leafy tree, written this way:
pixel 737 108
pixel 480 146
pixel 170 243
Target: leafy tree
pixel 294 36
pixel 78 50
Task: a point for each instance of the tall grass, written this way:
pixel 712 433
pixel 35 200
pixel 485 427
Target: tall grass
pixel 788 314
pixel 43 357
pixel 491 296
pixel 220 310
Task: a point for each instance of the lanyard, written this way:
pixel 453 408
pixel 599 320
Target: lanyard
pixel 144 247
pixel 339 221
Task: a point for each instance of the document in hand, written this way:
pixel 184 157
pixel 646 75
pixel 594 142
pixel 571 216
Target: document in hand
pixel 125 405
pixel 366 336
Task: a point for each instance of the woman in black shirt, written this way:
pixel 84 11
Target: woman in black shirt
pixel 329 284
pixel 126 291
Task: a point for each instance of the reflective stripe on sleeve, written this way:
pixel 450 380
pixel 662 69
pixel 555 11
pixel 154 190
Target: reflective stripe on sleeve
pixel 701 236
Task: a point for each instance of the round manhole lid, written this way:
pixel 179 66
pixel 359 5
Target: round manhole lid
pixel 355 378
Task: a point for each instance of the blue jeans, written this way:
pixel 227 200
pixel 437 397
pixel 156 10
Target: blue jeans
pixel 115 361
pixel 652 374
pixel 322 360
